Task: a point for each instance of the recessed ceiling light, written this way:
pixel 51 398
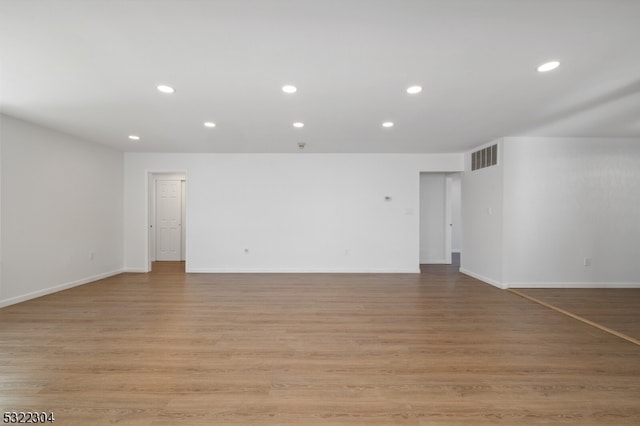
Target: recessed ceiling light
pixel 289 89
pixel 548 66
pixel 134 137
pixel 298 125
pixel 209 124
pixel 387 124
pixel 166 89
pixel 414 89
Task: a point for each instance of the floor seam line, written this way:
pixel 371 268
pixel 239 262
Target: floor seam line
pixel 577 317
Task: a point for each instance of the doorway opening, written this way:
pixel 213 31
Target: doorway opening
pixel 167 220
pixel 440 236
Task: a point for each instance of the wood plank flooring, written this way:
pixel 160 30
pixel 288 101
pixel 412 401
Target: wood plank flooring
pixel 616 308
pixel 437 348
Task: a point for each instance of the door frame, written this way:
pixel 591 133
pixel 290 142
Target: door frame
pixel 448 216
pixel 152 177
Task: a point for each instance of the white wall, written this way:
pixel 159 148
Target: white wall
pixel 61 203
pixel 292 212
pixel 553 203
pixel 432 218
pixel 456 213
pixel 567 199
pixel 1 137
pixel 482 245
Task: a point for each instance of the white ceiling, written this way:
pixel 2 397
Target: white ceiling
pixel 90 68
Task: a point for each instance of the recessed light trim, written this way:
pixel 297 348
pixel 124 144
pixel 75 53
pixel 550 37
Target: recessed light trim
pixel 548 66
pixel 387 124
pixel 165 89
pixel 134 137
pixel 209 124
pixel 289 89
pixel 412 90
pixel 298 125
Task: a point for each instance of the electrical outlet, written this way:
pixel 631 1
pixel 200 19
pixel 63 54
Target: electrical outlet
pixel 587 261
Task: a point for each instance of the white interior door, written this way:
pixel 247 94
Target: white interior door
pixel 168 219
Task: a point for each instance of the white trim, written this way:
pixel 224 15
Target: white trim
pixel 455 250
pixel 57 288
pixel 435 262
pixel 136 270
pixel 448 218
pixel 484 279
pixel 300 271
pixel 574 285
pixel 151 176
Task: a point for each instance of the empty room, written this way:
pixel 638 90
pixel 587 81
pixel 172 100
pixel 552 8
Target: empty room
pixel 354 212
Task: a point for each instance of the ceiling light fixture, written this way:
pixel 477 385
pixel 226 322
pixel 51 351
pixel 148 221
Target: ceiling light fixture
pixel 414 89
pixel 298 125
pixel 209 124
pixel 549 66
pixel 134 137
pixel 387 124
pixel 166 89
pixel 289 89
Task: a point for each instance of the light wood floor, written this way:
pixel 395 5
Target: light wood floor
pixel 439 348
pixel 618 309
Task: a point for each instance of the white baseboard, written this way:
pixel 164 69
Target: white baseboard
pixel 573 285
pixel 300 271
pixel 135 270
pixel 57 288
pixel 484 279
pixel 505 286
pixel 435 262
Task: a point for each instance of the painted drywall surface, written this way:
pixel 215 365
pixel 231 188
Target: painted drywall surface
pixel 61 214
pixel 1 134
pixel 289 212
pixel 432 218
pixel 482 245
pixel 456 231
pixel 570 199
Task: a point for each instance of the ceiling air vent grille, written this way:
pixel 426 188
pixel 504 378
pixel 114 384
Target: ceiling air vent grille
pixel 484 158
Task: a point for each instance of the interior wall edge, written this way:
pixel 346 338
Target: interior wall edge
pixel 482 278
pixel 435 262
pixel 574 285
pixel 135 270
pixel 57 288
pixel 300 271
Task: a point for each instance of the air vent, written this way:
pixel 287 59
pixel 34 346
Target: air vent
pixel 484 158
